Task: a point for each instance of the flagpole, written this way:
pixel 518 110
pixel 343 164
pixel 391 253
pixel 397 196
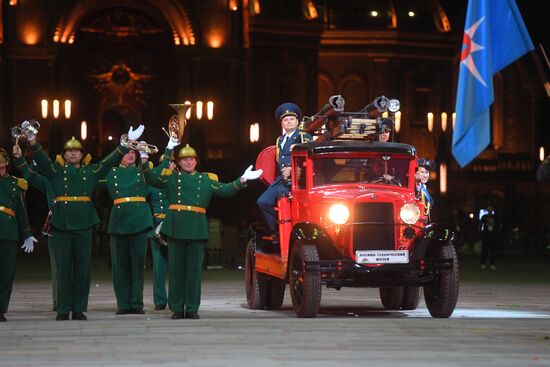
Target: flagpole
pixel 540 68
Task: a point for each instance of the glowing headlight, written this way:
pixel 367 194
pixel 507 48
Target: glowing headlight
pixel 338 213
pixel 409 213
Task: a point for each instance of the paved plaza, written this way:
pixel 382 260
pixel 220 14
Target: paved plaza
pixel 496 323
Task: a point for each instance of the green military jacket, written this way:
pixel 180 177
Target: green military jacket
pixel 157 197
pixel 35 179
pixel 124 183
pixel 195 189
pixel 13 215
pixel 69 181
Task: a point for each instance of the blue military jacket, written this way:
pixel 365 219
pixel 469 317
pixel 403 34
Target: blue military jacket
pixel 283 151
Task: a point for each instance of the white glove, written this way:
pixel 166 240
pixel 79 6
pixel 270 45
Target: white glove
pixel 172 143
pixel 135 134
pixel 143 154
pixel 249 174
pixel 28 244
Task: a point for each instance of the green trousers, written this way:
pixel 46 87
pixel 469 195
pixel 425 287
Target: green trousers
pixel 72 254
pixel 52 272
pixel 8 254
pixel 128 260
pixel 160 266
pixel 185 259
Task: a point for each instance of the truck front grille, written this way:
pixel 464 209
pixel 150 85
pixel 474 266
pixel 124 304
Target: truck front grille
pixel 373 227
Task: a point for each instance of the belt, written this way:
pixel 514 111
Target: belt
pixel 8 211
pixel 129 199
pixel 189 208
pixel 159 215
pixel 73 198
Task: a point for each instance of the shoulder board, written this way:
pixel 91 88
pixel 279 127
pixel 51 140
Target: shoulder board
pixel 166 172
pixel 212 176
pixel 87 159
pixel 151 165
pixel 59 160
pixel 22 183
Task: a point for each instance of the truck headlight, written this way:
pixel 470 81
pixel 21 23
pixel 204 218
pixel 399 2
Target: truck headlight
pixel 338 213
pixel 409 213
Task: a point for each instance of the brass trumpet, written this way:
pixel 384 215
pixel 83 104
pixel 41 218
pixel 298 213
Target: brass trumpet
pixel 28 130
pixel 141 146
pixel 177 122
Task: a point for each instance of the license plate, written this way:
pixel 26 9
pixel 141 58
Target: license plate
pixel 382 256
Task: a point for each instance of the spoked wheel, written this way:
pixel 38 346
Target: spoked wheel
pixel 305 286
pixel 256 283
pixel 275 293
pixel 391 297
pixel 441 294
pixel 411 298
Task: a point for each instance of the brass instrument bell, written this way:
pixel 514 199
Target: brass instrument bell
pixel 177 122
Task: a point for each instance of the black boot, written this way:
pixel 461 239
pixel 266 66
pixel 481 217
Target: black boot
pixel 124 312
pixel 62 316
pixel 160 307
pixel 192 315
pixel 177 316
pixel 2 317
pixel 79 316
pixel 137 311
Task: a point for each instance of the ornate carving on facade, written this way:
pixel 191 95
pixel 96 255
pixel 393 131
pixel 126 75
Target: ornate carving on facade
pixel 121 85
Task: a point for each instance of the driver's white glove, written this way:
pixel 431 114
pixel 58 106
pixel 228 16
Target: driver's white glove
pixel 250 174
pixel 135 134
pixel 28 244
pixel 172 143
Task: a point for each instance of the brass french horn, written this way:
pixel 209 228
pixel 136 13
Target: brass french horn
pixel 177 122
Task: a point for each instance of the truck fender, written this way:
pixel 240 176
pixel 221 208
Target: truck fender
pixel 314 234
pixel 433 235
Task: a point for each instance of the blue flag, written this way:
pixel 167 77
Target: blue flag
pixel 494 36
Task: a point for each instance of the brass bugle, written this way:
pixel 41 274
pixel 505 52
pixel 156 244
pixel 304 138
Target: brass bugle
pixel 141 146
pixel 28 129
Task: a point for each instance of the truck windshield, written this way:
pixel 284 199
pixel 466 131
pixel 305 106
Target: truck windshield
pixel 383 170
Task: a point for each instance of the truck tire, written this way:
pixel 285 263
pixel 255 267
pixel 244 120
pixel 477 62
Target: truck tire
pixel 391 297
pixel 441 294
pixel 275 293
pixel 305 286
pixel 411 298
pixel 255 283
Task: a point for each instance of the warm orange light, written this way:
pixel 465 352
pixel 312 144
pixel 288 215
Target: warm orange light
pixel 430 121
pixel 56 38
pixel 254 132
pixel 310 11
pixel 13 2
pixel 443 178
pixel 199 110
pixel 30 35
pixel 233 5
pixel 83 130
pixel 55 106
pixel 44 105
pixel 67 108
pixel 443 121
pixel 210 110
pixel 177 41
pixel 453 118
pixel 541 154
pixel 374 13
pixel 256 9
pixel 188 113
pixel 397 121
pixel 71 39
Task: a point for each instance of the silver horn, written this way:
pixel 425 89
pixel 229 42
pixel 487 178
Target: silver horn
pixel 28 130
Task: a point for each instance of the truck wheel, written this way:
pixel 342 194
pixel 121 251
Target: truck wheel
pixel 275 293
pixel 411 298
pixel 305 286
pixel 255 282
pixel 391 297
pixel 441 294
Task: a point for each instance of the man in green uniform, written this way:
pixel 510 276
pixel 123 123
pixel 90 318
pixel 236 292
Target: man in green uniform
pixel 159 250
pixel 129 224
pixel 189 192
pixel 14 224
pixel 40 183
pixel 73 218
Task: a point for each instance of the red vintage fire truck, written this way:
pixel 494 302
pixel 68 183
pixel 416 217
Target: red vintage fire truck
pixel 353 219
